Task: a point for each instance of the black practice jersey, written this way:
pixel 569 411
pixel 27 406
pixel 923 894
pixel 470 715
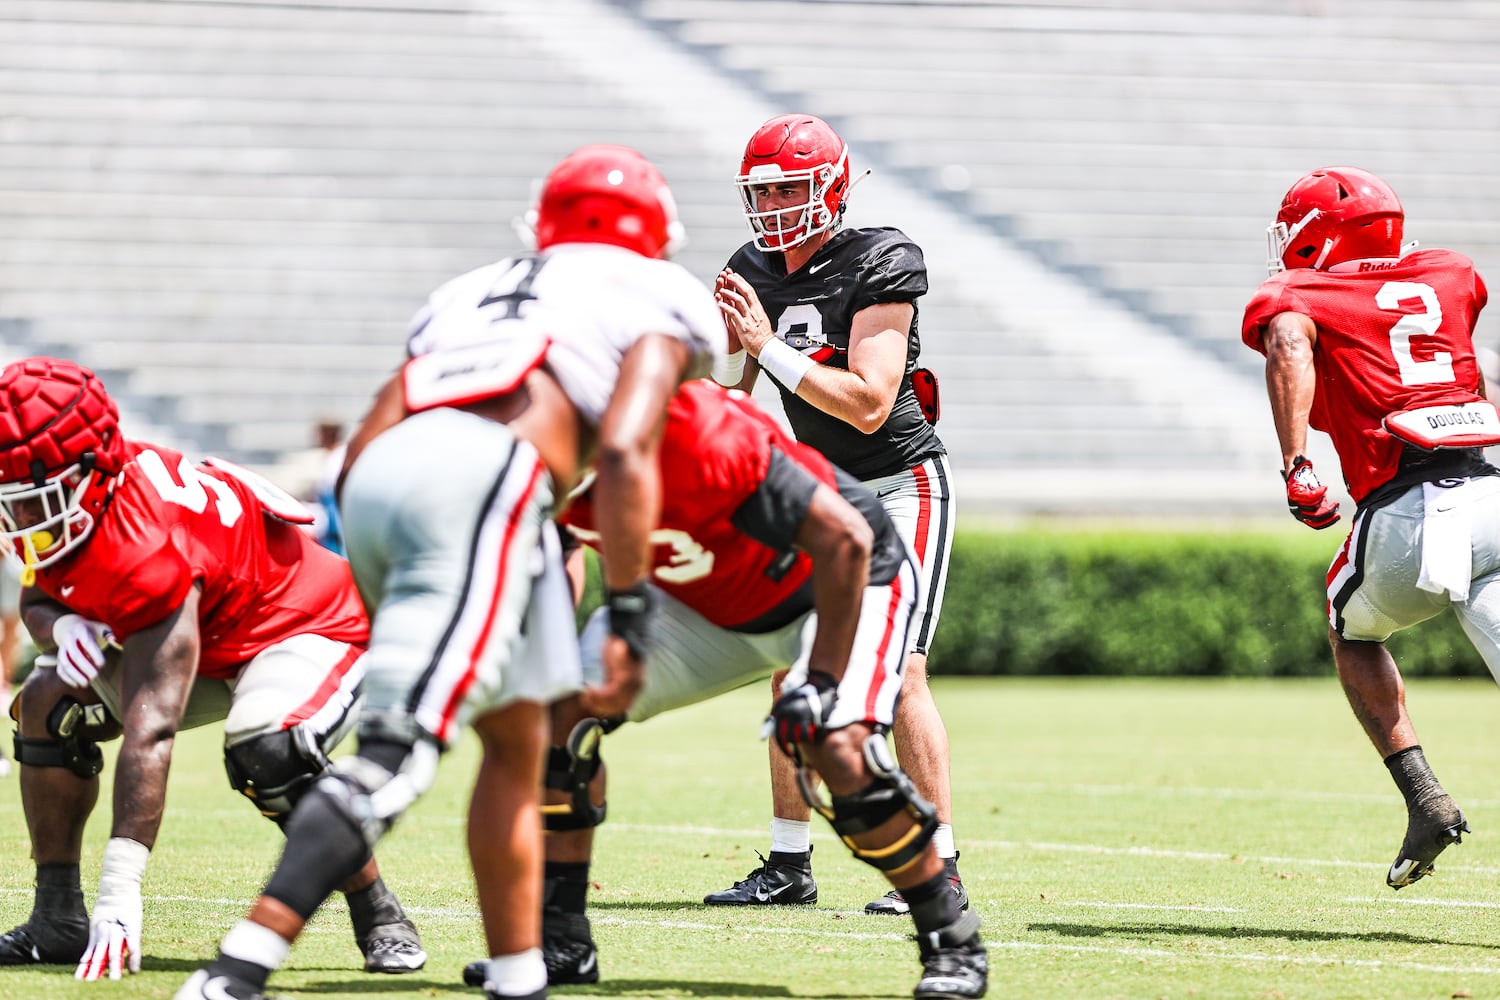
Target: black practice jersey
pixel 813 309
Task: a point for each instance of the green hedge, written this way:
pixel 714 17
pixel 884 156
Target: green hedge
pixel 1192 604
pixel 1152 603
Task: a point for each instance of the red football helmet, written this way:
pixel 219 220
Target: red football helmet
pixel 607 194
pixel 1335 215
pixel 794 148
pixel 60 448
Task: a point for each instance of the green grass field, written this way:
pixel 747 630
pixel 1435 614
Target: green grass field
pixel 1120 838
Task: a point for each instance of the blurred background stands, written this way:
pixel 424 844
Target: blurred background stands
pixel 231 208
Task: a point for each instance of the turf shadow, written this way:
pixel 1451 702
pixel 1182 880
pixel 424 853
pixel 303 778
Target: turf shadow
pixel 1236 932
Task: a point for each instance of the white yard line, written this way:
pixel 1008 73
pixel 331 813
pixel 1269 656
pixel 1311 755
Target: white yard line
pixel 466 914
pixel 1193 791
pixel 1447 904
pixel 1065 848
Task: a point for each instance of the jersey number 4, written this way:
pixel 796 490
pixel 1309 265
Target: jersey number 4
pixel 1425 323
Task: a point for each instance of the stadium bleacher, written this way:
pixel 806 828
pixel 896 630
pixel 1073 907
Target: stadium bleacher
pixel 231 207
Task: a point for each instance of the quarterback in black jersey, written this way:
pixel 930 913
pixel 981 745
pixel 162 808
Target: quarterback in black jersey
pixel 813 309
pixel 831 316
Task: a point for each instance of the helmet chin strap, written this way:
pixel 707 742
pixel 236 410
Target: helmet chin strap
pixel 33 541
pixel 1327 249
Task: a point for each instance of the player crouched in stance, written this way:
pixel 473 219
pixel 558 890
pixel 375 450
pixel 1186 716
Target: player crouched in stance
pixel 1372 343
pixel 758 532
pixel 219 608
pixel 520 375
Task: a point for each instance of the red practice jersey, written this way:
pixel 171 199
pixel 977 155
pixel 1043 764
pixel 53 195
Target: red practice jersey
pixel 171 523
pixel 1391 336
pixel 716 455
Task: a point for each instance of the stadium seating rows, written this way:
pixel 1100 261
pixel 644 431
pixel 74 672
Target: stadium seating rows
pixel 231 207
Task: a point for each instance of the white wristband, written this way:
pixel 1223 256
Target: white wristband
pixel 729 368
pixel 785 364
pixel 125 858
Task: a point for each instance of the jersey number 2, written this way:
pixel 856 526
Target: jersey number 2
pixel 1426 323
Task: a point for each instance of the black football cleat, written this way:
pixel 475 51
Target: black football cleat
pixel 1430 830
pixel 769 885
pixel 205 985
pixel 892 904
pixel 567 948
pixel 29 945
pixel 393 948
pixel 954 962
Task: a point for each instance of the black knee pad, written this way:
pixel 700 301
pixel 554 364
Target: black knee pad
pixel 891 794
pixel 68 746
pixel 570 769
pixel 273 770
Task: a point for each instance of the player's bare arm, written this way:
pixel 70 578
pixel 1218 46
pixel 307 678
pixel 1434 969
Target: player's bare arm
pixel 838 539
pixel 1291 380
pixel 157 672
pixel 627 488
pixel 39 613
pixel 863 396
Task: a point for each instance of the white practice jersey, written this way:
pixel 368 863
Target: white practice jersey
pixel 593 301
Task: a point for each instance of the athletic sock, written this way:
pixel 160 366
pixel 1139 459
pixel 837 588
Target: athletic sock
pixel 373 906
pixel 518 975
pixel 1413 775
pixel 567 885
pixel 251 952
pixel 790 836
pixel 933 905
pixel 942 840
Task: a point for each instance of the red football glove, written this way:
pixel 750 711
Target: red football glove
pixel 1307 498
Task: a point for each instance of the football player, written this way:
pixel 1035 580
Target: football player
pixel 767 559
pixel 220 607
pixel 830 314
pixel 1371 342
pixel 520 376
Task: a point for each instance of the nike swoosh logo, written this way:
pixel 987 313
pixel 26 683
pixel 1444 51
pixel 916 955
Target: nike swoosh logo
pixel 67 591
pixel 763 894
pixel 587 965
pixel 818 266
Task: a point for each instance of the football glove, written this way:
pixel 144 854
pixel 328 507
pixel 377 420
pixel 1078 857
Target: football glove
pixel 1306 497
pixel 80 648
pixel 800 714
pixel 115 925
pixel 631 613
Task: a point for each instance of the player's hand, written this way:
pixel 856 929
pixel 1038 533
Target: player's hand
pixel 624 676
pixel 80 648
pixel 743 314
pixel 115 926
pixel 801 713
pixel 1306 497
